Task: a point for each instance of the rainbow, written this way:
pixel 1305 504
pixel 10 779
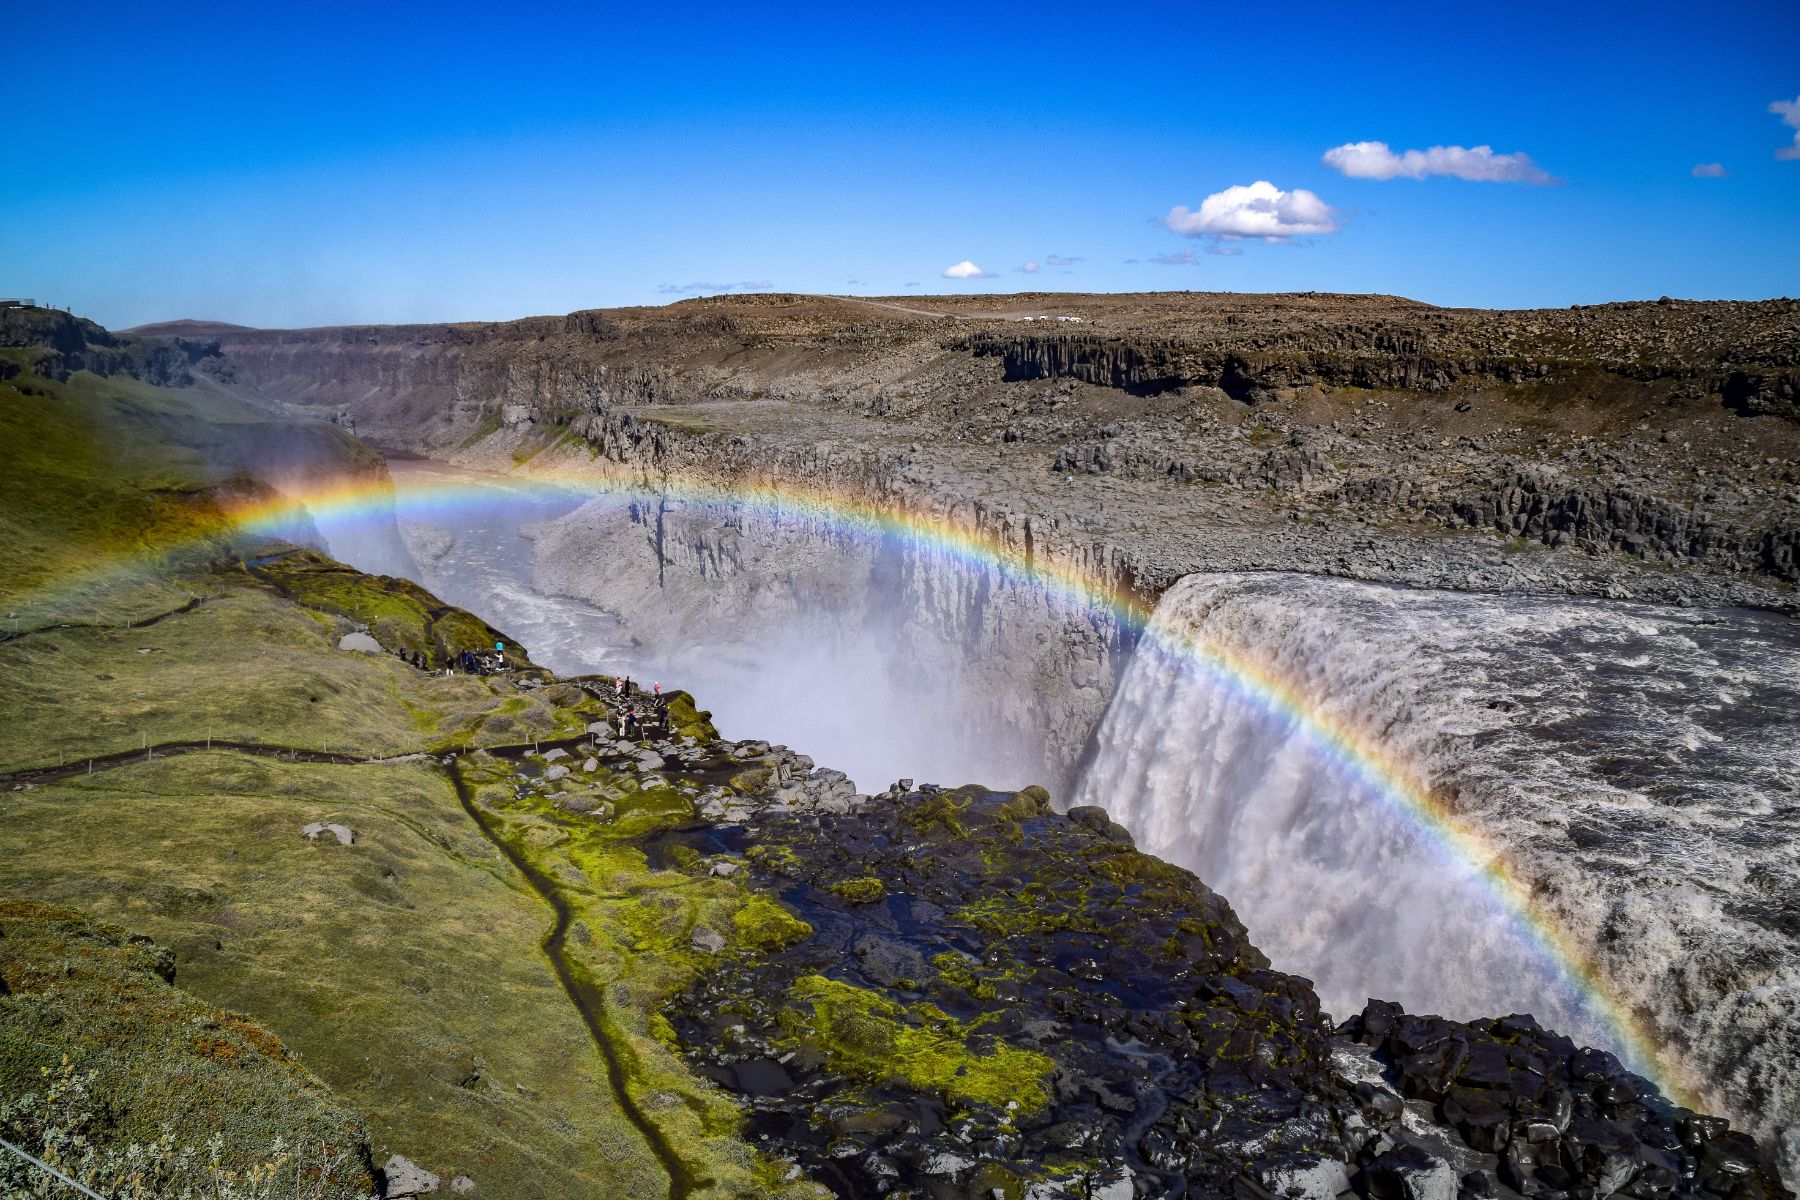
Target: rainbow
pixel 1361 756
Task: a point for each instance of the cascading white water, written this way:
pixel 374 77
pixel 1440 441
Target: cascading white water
pixel 1635 764
pixel 1334 879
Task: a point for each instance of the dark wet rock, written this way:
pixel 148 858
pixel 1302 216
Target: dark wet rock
pixel 1408 1173
pixel 996 996
pixel 1304 1178
pixel 1107 1018
pixel 1558 1117
pixel 1094 818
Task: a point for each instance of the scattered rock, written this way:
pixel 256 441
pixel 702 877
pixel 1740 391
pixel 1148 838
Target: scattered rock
pixel 317 829
pixel 707 941
pixel 401 1177
pixel 360 642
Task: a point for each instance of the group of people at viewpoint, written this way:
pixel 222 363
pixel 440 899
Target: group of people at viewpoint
pixel 467 662
pixel 629 718
pixel 472 663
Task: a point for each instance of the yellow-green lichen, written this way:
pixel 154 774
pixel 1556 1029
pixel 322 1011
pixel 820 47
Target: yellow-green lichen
pixel 866 890
pixel 763 924
pixel 864 1034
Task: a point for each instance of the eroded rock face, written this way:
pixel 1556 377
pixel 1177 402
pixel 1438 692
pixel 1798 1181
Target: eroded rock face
pixel 995 996
pixel 992 993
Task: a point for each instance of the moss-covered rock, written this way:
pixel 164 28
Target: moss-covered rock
pixel 404 617
pixel 863 1033
pixel 1027 980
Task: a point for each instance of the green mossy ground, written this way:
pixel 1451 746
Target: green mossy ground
pixel 110 479
pixel 632 936
pixel 403 969
pixel 76 991
pixel 398 613
pixel 407 970
pixel 247 665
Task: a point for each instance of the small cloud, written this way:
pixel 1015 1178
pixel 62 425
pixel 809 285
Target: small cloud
pixel 966 270
pixel 1060 260
pixel 688 289
pixel 1030 268
pixel 1187 258
pixel 914 283
pixel 1258 210
pixel 1789 112
pixel 1709 171
pixel 1373 160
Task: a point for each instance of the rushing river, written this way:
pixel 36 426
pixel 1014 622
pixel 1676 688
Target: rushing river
pixel 1639 767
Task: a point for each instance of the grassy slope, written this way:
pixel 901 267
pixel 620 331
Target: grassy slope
pixel 403 968
pixel 406 969
pixel 75 989
pixel 250 666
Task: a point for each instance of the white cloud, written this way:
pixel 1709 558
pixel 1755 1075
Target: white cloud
pixel 1789 112
pixel 1709 171
pixel 1060 260
pixel 1373 160
pixel 1260 210
pixel 966 270
pixel 1030 268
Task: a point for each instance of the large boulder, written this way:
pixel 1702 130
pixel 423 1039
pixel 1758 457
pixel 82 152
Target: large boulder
pixel 403 1177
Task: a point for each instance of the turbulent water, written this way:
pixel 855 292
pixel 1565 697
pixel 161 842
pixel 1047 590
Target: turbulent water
pixel 459 534
pixel 1641 765
pixel 785 631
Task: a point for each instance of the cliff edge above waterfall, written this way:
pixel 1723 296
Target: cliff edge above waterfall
pixel 543 959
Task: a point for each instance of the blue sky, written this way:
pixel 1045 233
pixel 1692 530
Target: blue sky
pixel 339 163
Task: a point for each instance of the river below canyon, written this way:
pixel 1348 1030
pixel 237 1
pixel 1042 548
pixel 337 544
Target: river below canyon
pixel 1636 767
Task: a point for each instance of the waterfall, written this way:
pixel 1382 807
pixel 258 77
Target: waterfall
pixel 1333 880
pixel 1635 764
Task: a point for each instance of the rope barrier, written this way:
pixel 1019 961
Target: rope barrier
pixel 41 1165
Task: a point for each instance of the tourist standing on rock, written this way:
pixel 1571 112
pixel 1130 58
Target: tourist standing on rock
pixel 657 687
pixel 618 685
